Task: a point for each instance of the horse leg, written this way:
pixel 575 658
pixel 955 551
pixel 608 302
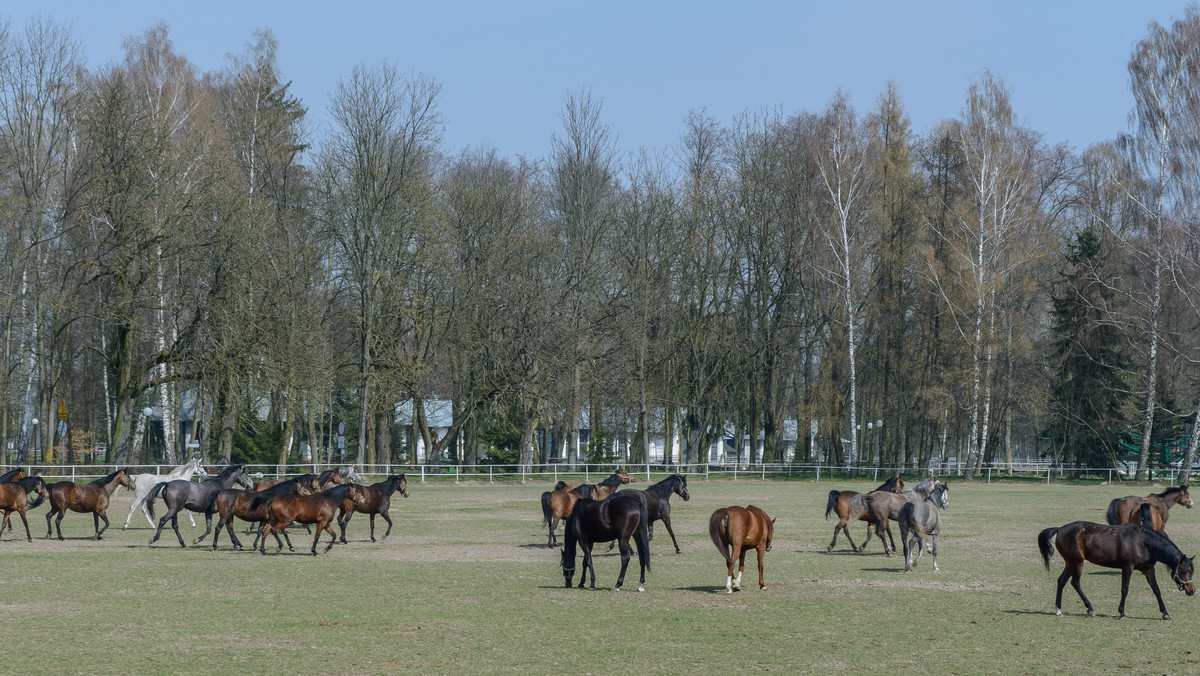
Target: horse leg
pixel 1162 607
pixel 667 522
pixel 935 543
pixel 324 526
pixel 175 527
pixel 861 548
pixel 1126 573
pixel 838 527
pixel 373 528
pixel 737 583
pixel 58 523
pixel 286 538
pixel 762 551
pixel 625 556
pixel 906 543
pixel 50 515
pixel 383 515
pixel 28 537
pixel 343 522
pixel 137 502
pixel 162 522
pixel 1075 576
pixel 587 563
pixel 102 514
pixel 552 539
pixel 207 526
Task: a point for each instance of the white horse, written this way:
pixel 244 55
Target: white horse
pixel 144 483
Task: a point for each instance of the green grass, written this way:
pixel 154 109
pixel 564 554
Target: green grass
pixel 465 584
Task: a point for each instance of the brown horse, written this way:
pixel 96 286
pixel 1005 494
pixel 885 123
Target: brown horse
pixel 1128 508
pixel 737 530
pixel 377 500
pixel 13 475
pixel 319 508
pixel 251 506
pixel 852 506
pixel 90 497
pixel 1128 546
pixel 558 507
pixel 14 497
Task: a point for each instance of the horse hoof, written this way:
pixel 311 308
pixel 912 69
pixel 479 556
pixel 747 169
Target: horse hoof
pixel 1166 616
pixel 616 589
pixel 642 588
pixel 728 590
pixel 678 551
pixel 829 548
pixel 1058 612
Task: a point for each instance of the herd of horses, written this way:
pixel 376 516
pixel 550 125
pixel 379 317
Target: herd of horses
pixel 1133 539
pixel 333 496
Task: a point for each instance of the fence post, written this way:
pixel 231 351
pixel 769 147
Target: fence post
pixel 764 471
pixel 556 474
pixel 735 471
pixel 1110 475
pixel 1048 471
pixel 647 472
pixel 490 479
pixel 586 478
pixel 818 473
pixel 876 475
pixel 457 469
pixel 422 473
pixel 989 475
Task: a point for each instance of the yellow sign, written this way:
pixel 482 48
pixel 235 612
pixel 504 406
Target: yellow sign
pixel 62 409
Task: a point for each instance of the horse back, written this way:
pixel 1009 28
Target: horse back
pixel 1111 546
pixel 12 496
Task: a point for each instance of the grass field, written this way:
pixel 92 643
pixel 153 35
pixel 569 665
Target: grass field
pixel 465 584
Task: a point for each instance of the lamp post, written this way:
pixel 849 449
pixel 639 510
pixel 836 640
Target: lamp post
pixel 36 437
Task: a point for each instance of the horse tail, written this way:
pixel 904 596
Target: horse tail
pixel 547 512
pixel 152 495
pixel 1045 546
pixel 1113 516
pixel 37 500
pixel 718 525
pixel 643 535
pixel 833 500
pixel 1146 513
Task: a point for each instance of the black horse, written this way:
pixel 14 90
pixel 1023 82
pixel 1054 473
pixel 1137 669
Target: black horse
pixel 1128 546
pixel 197 497
pixel 621 516
pixel 658 504
pixel 377 499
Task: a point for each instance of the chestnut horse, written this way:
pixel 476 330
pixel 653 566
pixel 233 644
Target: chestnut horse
pixel 377 500
pixel 14 497
pixel 1127 509
pixel 852 506
pixel 558 507
pixel 621 517
pixel 1128 546
pixel 737 530
pixel 250 506
pixel 319 508
pixel 90 497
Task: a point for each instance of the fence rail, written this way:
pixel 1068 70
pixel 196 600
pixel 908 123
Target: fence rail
pixel 645 471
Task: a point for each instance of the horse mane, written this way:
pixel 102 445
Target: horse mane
pixel 611 480
pixel 666 485
pixel 106 479
pixel 7 476
pixel 1171 490
pixel 1161 546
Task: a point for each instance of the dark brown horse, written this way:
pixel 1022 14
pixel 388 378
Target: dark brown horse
pixel 1129 547
pixel 1127 509
pixel 14 497
pixel 558 507
pixel 737 530
pixel 90 497
pixel 852 506
pixel 620 517
pixel 658 504
pixel 250 506
pixel 377 500
pixel 319 508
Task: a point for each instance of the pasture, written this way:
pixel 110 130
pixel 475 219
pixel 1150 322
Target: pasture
pixel 465 583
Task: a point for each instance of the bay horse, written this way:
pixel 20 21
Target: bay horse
pixel 658 503
pixel 377 499
pixel 251 507
pixel 737 530
pixel 923 518
pixel 622 517
pixel 201 498
pixel 882 506
pixel 1128 546
pixel 14 497
pixel 144 483
pixel 560 503
pixel 1126 509
pixel 852 506
pixel 90 497
pixel 319 508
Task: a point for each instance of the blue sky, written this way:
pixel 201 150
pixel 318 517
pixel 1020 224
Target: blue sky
pixel 505 67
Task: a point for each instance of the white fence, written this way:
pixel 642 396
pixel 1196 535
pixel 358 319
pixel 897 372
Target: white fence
pixel 643 471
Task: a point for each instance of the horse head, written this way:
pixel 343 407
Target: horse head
pixel 1184 498
pixel 770 532
pixel 943 493
pixel 350 474
pixel 356 494
pixel 625 477
pixel 241 478
pixel 402 485
pixel 568 562
pixel 1182 574
pixel 681 487
pixel 124 478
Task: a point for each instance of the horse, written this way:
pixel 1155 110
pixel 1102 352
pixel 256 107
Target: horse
pixel 560 503
pixel 658 503
pixel 319 508
pixel 622 516
pixel 250 506
pixel 882 506
pixel 13 475
pixel 201 497
pixel 90 497
pixel 852 506
pixel 144 483
pixel 377 500
pixel 1128 546
pixel 737 530
pixel 923 518
pixel 1126 509
pixel 14 497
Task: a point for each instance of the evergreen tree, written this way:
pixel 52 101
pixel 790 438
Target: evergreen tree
pixel 1087 399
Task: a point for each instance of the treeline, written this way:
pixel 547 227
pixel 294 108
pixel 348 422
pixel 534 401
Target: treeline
pixel 172 235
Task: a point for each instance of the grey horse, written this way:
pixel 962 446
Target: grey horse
pixel 202 497
pixel 923 518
